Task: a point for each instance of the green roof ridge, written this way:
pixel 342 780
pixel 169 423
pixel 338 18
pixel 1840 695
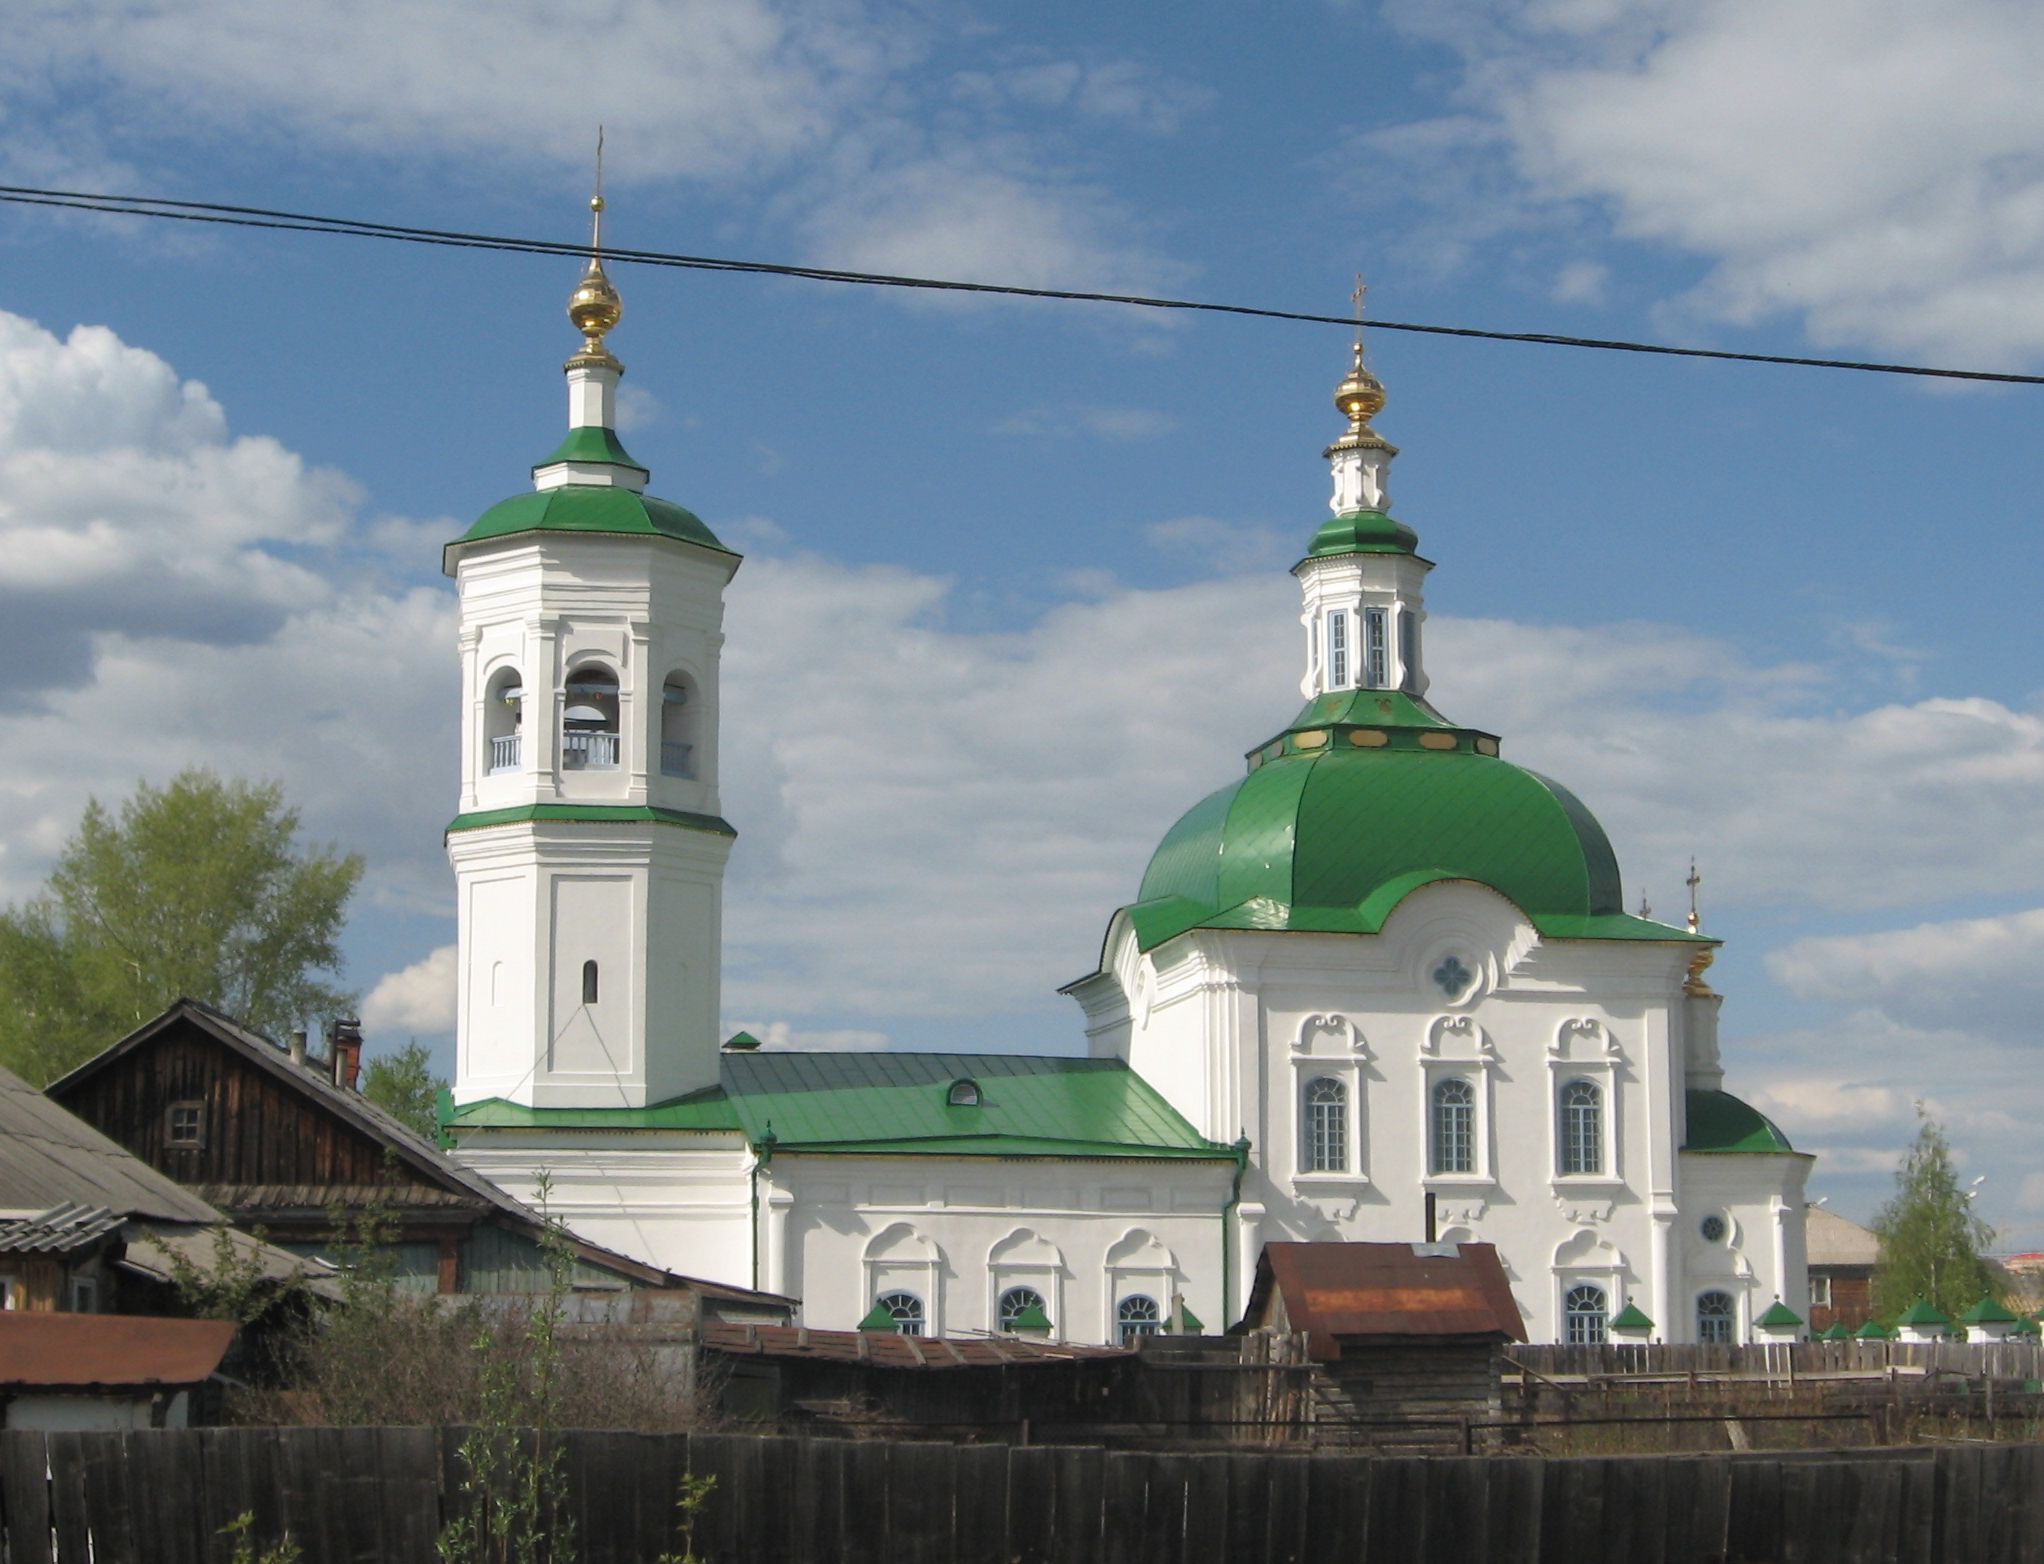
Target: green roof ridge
pixel 1631 1317
pixel 1779 1316
pixel 592 443
pixel 598 508
pixel 1922 1312
pixel 705 1110
pixel 593 814
pixel 1873 1330
pixel 1987 1312
pixel 1835 1331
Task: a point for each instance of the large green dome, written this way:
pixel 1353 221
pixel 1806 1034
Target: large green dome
pixel 1340 819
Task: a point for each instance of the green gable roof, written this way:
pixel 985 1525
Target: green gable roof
pixel 1779 1316
pixel 1721 1124
pixel 589 508
pixel 1325 835
pixel 894 1104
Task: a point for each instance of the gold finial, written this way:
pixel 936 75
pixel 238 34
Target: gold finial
pixel 594 306
pixel 1695 917
pixel 1360 396
pixel 1694 985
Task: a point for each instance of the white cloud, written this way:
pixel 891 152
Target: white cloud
pixel 418 1000
pixel 1105 423
pixel 1980 967
pixel 1873 167
pixel 1582 282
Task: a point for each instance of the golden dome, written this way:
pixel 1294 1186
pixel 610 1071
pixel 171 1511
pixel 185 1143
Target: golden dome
pixel 594 306
pixel 1360 396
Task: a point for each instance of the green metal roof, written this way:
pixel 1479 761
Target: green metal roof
pixel 895 1103
pixel 1362 532
pixel 892 1104
pixel 1720 1123
pixel 592 444
pixel 588 508
pixel 1329 837
pixel 1836 1331
pixel 1987 1312
pixel 1922 1312
pixel 1873 1330
pixel 593 814
pixel 1031 1319
pixel 1779 1317
pixel 879 1318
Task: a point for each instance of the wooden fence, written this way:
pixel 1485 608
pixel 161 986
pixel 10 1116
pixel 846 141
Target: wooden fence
pixel 1997 1359
pixel 381 1494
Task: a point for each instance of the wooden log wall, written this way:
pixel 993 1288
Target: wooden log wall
pixel 353 1496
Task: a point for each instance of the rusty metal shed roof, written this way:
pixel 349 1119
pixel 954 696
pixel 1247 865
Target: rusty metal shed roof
pixel 889 1349
pixel 94 1351
pixel 1339 1292
pixel 49 1157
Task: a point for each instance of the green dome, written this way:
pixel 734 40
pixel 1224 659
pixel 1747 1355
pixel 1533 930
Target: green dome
pixel 1334 826
pixel 592 508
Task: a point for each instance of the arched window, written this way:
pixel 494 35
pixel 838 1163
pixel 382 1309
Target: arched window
pixel 964 1093
pixel 1324 1127
pixel 1717 1319
pixel 1015 1302
pixel 588 982
pixel 589 733
pixel 503 709
pixel 1136 1316
pixel 678 726
pixel 905 1309
pixel 1582 1128
pixel 1583 1315
pixel 1451 1132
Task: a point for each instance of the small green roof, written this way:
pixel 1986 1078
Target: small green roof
pixel 1183 1322
pixel 1721 1124
pixel 1987 1312
pixel 1779 1316
pixel 2027 1328
pixel 1921 1313
pixel 878 1318
pixel 1873 1330
pixel 1631 1317
pixel 895 1104
pixel 1835 1331
pixel 1030 1317
pixel 592 444
pixel 743 1041
pixel 1362 532
pixel 587 508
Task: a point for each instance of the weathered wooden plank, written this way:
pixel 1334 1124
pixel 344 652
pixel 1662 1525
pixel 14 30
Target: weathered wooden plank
pixel 1513 1504
pixel 164 1475
pixel 1124 1494
pixel 817 1500
pixel 864 1538
pixel 1287 1508
pixel 2022 1490
pixel 1458 1508
pixel 71 1518
pixel 1032 1505
pixel 721 1532
pixel 25 1496
pixel 1959 1528
pixel 1754 1520
pixel 1398 1510
pixel 982 1510
pixel 1248 1512
pixel 922 1483
pixel 1077 1477
pixel 1333 1512
pixel 1206 1508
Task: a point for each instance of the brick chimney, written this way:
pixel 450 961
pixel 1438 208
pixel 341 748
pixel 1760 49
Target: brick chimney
pixel 344 1048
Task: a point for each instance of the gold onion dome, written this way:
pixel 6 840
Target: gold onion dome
pixel 594 306
pixel 1360 396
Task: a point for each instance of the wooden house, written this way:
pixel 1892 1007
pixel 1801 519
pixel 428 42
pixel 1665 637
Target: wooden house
pixel 281 1138
pixel 1843 1256
pixel 1406 1340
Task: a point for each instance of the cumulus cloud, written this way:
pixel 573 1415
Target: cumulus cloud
pixel 1989 968
pixel 418 999
pixel 1871 167
pixel 1104 423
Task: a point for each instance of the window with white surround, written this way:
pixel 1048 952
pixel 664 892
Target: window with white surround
pixel 1820 1291
pixel 589 721
pixel 1717 1319
pixel 1323 1127
pixel 1584 1315
pixel 905 1309
pixel 1337 650
pixel 1451 1126
pixel 1016 1302
pixel 1582 1128
pixel 1376 670
pixel 1136 1315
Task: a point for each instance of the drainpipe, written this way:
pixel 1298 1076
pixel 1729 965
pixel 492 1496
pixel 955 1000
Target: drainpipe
pixel 1241 1150
pixel 762 1157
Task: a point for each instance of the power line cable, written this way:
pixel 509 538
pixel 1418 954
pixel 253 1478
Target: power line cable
pixel 304 222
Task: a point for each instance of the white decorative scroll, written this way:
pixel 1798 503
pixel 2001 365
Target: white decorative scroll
pixel 1458 1037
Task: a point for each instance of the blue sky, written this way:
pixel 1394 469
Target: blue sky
pixel 1016 592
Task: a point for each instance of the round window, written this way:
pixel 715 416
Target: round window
pixel 1713 1229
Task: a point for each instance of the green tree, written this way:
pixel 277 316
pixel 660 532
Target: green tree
pixel 404 1086
pixel 1932 1240
pixel 200 888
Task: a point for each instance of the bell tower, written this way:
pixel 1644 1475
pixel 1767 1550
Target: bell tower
pixel 588 849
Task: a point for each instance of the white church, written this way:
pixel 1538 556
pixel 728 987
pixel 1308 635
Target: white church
pixel 1383 979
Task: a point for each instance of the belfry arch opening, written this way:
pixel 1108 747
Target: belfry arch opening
pixel 589 722
pixel 678 706
pixel 503 720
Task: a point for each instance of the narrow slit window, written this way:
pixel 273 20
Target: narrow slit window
pixel 1376 675
pixel 1408 651
pixel 1337 650
pixel 588 982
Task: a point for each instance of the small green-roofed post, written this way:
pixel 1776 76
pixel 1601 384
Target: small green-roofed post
pixel 1873 1330
pixel 1922 1324
pixel 741 1042
pixel 1182 1321
pixel 1779 1324
pixel 1032 1321
pixel 1631 1321
pixel 1835 1331
pixel 1987 1320
pixel 880 1318
pixel 2027 1329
